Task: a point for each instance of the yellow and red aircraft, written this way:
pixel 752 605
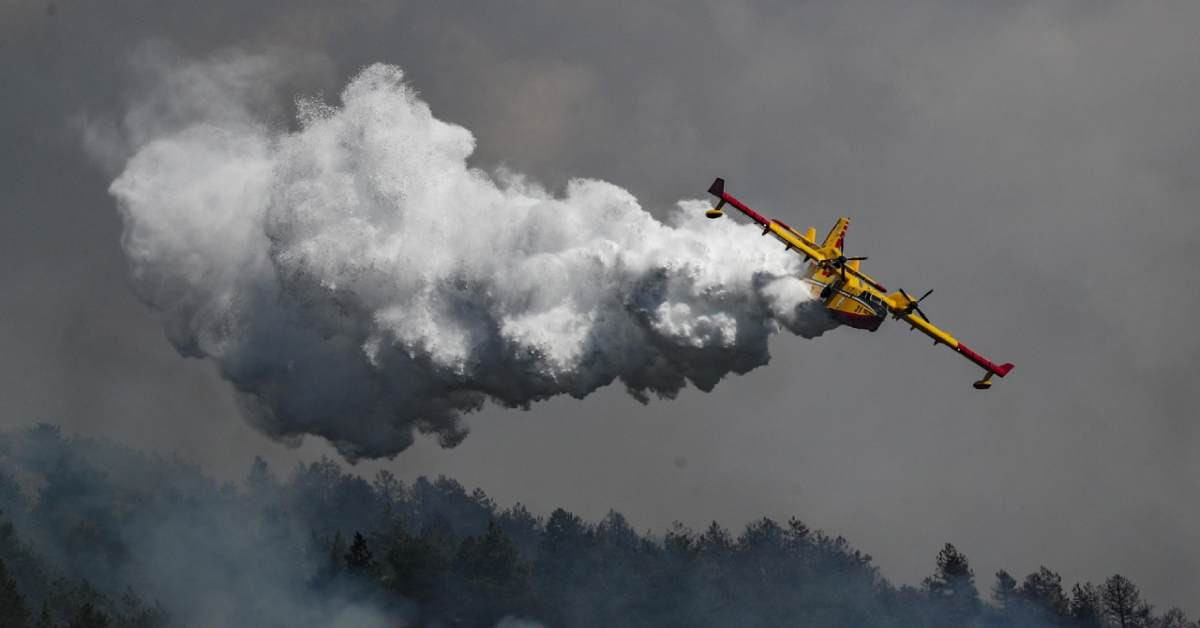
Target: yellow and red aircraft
pixel 853 297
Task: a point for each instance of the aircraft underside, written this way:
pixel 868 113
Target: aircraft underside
pixel 839 304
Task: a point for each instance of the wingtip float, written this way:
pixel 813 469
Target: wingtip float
pixel 850 295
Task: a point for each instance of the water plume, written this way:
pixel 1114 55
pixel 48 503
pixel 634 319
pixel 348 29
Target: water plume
pixel 354 278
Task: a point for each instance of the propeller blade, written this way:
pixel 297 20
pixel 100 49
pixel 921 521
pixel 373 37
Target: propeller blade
pixel 850 259
pixel 918 309
pixel 925 295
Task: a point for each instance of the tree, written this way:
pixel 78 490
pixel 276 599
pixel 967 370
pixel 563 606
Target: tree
pixel 564 563
pixel 131 612
pixel 44 620
pixel 389 493
pixel 492 558
pixel 522 527
pixel 615 532
pixel 1004 592
pixel 1086 610
pixel 415 566
pixel 445 498
pixel 86 616
pixel 680 542
pixel 620 579
pixel 952 587
pixel 337 548
pixel 565 533
pixel 359 559
pixel 494 580
pixel 1043 592
pixel 13 611
pixel 1173 618
pixel 1123 603
pixel 259 479
pixel 22 564
pixel 716 544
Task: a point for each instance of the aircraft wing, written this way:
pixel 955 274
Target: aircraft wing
pixel 900 304
pixel 792 239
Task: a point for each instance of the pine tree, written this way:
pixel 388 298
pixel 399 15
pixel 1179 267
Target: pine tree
pixel 44 620
pixel 564 565
pixel 13 611
pixel 87 616
pixel 1123 604
pixel 522 527
pixel 1086 610
pixel 1004 592
pixel 259 480
pixel 1043 591
pixel 359 559
pixel 337 548
pixel 415 566
pixel 952 586
pixel 494 579
pixel 389 495
pixel 1173 618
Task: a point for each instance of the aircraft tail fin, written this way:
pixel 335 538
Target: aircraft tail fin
pixel 837 235
pixel 717 188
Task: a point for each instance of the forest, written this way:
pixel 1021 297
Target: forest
pixel 94 534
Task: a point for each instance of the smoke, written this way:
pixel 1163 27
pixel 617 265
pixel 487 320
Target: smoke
pixel 356 279
pixel 123 520
pixel 144 532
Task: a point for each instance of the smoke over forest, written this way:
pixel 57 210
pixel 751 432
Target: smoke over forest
pixel 356 279
pixel 1021 158
pixel 95 534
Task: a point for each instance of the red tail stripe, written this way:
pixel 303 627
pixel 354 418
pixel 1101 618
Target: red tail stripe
pixel 745 210
pixel 992 367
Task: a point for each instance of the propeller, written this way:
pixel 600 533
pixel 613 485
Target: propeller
pixel 839 263
pixel 914 304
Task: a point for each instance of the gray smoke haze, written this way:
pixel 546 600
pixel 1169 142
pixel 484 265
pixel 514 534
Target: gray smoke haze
pixel 201 552
pixel 1034 162
pixel 357 280
pixel 208 555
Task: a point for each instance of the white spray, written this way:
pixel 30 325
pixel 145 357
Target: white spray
pixel 355 279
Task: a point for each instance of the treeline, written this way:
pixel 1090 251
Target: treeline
pixel 98 535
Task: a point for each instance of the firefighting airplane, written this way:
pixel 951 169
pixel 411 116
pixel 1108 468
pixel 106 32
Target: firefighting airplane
pixel 853 298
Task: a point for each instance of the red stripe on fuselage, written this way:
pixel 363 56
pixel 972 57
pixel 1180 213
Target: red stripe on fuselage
pixel 858 321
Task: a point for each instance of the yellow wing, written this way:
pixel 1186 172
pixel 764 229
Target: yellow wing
pixel 903 306
pixel 794 240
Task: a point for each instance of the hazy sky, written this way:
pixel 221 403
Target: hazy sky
pixel 1035 163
